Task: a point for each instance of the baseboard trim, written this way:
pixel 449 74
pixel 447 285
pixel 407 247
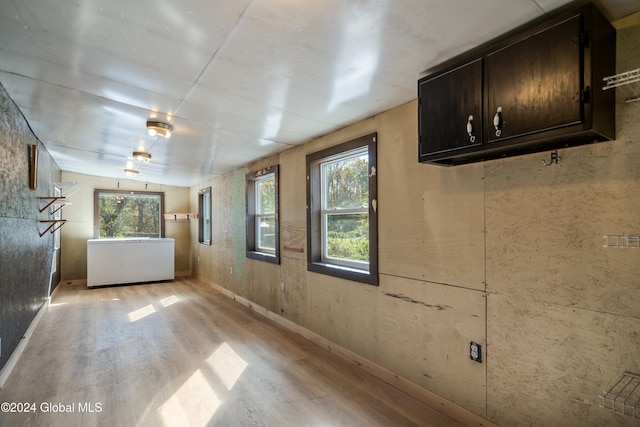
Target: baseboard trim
pixel 438 403
pixel 17 353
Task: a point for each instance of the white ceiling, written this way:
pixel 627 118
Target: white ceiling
pixel 240 79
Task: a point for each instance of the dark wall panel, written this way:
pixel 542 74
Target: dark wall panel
pixel 25 257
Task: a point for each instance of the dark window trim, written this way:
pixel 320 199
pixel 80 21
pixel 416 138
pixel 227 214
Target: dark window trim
pixel 251 251
pixel 314 229
pixel 96 213
pixel 205 240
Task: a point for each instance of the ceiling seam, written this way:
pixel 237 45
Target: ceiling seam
pixel 215 55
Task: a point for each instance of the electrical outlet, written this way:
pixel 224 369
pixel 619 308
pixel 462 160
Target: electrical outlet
pixel 475 352
pixel 281 286
pixel 231 271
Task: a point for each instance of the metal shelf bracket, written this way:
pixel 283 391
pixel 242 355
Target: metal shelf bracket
pixel 59 201
pixel 52 223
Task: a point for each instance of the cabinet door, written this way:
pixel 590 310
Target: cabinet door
pixel 450 110
pixel 535 84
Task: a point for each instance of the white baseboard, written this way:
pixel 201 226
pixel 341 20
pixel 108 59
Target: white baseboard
pixel 434 401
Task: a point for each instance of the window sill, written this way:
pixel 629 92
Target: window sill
pixel 347 273
pixel 263 256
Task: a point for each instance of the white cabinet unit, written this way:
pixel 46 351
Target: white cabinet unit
pixel 120 261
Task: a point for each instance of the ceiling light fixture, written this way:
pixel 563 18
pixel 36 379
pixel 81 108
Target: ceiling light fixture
pixel 141 156
pixel 131 172
pixel 156 128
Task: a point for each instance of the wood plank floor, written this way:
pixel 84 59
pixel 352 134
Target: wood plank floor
pixel 181 354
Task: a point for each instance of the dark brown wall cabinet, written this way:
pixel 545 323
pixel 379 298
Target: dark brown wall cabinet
pixel 537 90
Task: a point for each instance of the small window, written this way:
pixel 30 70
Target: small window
pixel 124 214
pixel 204 216
pixel 342 211
pixel 263 238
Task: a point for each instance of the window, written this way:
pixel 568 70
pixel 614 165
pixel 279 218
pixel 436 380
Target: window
pixel 263 238
pixel 342 211
pixel 204 216
pixel 124 214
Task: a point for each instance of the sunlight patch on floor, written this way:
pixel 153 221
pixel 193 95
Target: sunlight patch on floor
pixel 193 404
pixel 166 302
pixel 227 365
pixel 141 313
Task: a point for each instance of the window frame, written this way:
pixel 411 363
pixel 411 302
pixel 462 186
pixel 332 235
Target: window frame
pixel 253 251
pixel 204 194
pixel 316 262
pixel 96 210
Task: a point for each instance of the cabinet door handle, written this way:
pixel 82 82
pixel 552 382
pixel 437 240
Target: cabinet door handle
pixel 472 137
pixel 498 123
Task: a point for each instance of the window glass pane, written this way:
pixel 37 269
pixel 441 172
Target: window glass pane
pixel 204 219
pixel 347 236
pixel 262 215
pixel 346 183
pixel 129 215
pixel 266 196
pixel 266 233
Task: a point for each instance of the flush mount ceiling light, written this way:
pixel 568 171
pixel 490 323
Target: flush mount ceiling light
pixel 131 172
pixel 141 156
pixel 156 128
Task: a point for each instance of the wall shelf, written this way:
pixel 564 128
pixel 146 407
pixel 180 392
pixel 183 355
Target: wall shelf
pixel 628 82
pixel 62 191
pixel 624 396
pixel 67 189
pixel 180 216
pixel 621 241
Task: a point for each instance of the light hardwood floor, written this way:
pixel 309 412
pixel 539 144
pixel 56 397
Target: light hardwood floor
pixel 182 354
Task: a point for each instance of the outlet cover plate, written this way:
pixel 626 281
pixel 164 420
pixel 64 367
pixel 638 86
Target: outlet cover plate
pixel 475 352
